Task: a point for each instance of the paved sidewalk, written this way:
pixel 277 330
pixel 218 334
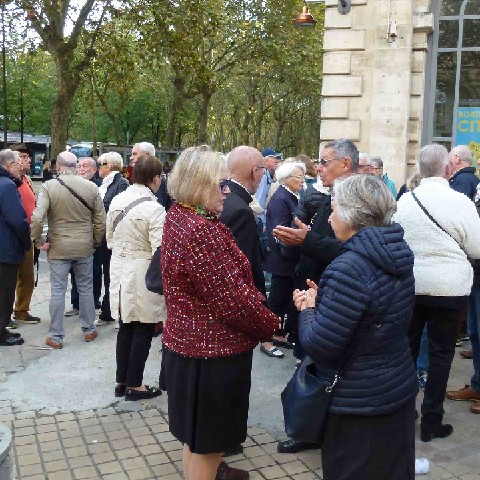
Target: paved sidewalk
pixel 67 424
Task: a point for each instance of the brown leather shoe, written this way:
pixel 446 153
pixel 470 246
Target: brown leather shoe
pixel 467 354
pixel 53 344
pixel 475 407
pixel 225 472
pixel 465 393
pixel 90 337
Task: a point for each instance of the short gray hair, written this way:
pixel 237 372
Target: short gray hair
pixel 67 160
pixel 377 161
pixel 432 161
pixel 366 156
pixel 363 201
pixel 286 169
pixel 113 158
pixel 464 153
pixel 146 147
pixel 344 148
pixel 90 160
pixel 8 156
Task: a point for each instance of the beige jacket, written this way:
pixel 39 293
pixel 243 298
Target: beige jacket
pixel 73 231
pixel 136 238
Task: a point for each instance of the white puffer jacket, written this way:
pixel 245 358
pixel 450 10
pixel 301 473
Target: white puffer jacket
pixel 136 238
pixel 441 267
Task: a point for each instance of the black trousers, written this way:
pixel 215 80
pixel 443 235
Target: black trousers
pixel 133 345
pixel 280 297
pixel 8 282
pixel 372 447
pixel 442 334
pixel 105 257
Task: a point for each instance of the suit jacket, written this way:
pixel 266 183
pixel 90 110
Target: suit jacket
pixel 240 219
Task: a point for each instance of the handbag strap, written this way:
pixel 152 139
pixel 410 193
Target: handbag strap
pixel 75 194
pixel 124 212
pixel 426 212
pixel 366 337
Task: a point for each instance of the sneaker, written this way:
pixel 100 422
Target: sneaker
pixel 27 318
pixel 422 379
pixel 12 325
pixel 71 313
pixel 459 342
pixel 99 321
pixel 98 311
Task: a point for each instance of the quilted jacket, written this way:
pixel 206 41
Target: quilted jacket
pixel 371 281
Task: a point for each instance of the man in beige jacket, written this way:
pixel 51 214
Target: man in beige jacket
pixel 76 225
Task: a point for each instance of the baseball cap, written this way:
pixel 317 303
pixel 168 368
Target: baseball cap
pixel 270 152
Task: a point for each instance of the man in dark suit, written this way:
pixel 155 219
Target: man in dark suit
pixel 246 166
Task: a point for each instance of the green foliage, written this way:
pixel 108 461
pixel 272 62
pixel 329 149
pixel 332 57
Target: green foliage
pixel 179 72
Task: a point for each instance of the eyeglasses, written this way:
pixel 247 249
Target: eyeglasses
pixel 326 162
pixel 300 177
pixel 224 184
pixel 101 164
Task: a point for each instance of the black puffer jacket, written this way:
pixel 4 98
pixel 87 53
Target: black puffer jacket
pixel 308 205
pixel 119 185
pixel 357 288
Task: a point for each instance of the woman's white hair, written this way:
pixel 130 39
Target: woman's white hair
pixel 114 159
pixel 363 201
pixel 432 161
pixel 286 169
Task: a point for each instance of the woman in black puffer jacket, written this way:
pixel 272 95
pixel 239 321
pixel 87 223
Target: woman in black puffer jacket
pixel 370 431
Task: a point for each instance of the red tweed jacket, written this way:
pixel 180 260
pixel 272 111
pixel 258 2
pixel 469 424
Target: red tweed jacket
pixel 213 307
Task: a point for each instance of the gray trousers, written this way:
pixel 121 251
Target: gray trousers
pixel 83 269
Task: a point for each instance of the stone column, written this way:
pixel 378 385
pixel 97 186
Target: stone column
pixel 373 81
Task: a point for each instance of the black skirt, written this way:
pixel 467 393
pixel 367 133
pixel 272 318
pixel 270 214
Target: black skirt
pixel 207 399
pixel 370 447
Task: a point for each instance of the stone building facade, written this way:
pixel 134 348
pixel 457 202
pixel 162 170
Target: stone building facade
pixel 389 83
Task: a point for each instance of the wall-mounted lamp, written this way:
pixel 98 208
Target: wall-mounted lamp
pixel 305 19
pixel 392 33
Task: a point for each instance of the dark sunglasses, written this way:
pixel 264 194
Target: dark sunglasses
pixel 224 184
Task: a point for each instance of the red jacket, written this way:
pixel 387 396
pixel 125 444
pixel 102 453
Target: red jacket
pixel 28 196
pixel 213 307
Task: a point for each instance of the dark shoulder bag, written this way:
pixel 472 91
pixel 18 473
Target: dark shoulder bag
pixel 306 398
pixel 153 277
pixel 75 194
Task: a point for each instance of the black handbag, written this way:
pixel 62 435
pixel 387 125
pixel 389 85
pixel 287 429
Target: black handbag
pixel 306 398
pixel 305 402
pixel 153 277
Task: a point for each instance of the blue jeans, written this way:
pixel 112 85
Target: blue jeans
pixel 473 328
pixel 422 360
pixel 83 269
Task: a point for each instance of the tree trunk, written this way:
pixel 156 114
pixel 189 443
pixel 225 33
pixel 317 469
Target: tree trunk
pixel 177 103
pixel 203 120
pixel 66 87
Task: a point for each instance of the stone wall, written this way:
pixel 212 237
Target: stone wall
pixel 373 83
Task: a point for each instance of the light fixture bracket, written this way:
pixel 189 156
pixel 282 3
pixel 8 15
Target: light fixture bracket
pixel 344 6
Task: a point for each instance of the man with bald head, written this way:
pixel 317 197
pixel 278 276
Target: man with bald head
pixel 76 225
pixel 247 167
